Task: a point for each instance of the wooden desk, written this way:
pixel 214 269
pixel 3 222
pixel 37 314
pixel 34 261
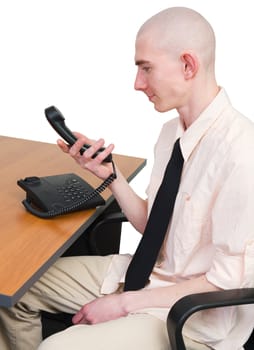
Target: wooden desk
pixel 30 245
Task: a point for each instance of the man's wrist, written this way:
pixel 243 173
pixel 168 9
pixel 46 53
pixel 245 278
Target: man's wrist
pixel 135 300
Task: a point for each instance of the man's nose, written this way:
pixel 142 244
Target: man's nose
pixel 140 83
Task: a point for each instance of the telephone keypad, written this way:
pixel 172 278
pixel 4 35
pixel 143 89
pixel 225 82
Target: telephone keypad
pixel 72 191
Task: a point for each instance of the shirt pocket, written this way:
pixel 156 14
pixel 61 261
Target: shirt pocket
pixel 190 228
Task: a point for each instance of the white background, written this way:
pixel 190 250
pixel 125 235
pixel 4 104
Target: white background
pixel 79 56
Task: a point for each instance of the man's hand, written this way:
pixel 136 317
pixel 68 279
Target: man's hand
pixel 95 165
pixel 103 309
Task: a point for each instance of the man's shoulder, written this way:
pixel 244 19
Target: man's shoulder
pixel 242 129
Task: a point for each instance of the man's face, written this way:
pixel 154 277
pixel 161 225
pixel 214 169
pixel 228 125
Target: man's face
pixel 159 75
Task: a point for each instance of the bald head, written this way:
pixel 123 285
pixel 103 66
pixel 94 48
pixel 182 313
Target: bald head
pixel 180 29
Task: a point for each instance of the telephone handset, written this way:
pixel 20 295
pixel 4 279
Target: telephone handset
pixel 56 120
pixel 55 195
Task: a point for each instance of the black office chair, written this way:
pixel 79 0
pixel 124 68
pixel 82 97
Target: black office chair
pixel 183 308
pixel 192 303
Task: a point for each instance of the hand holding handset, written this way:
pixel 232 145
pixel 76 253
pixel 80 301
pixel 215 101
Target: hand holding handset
pixel 61 194
pixel 57 121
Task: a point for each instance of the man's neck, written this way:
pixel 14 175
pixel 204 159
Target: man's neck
pixel 189 113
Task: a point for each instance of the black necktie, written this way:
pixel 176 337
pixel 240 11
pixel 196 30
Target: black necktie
pixel 148 249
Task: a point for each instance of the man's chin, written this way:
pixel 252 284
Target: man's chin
pixel 160 109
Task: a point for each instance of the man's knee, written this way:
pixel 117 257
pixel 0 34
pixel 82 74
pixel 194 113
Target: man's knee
pixel 50 343
pixel 132 332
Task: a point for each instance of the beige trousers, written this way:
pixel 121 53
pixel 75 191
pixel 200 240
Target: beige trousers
pixel 66 286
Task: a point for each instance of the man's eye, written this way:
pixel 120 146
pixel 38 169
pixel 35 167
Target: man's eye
pixel 146 69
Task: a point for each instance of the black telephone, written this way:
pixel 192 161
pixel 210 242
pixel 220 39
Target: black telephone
pixel 58 194
pixel 50 196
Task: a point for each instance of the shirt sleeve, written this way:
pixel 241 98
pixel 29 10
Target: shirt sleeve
pixel 233 230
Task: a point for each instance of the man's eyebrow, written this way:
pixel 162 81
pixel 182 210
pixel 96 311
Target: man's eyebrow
pixel 140 62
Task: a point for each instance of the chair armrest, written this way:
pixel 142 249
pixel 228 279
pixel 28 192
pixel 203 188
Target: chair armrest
pixel 106 240
pixel 192 303
pixel 111 218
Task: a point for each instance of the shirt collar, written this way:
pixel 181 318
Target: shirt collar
pixel 191 137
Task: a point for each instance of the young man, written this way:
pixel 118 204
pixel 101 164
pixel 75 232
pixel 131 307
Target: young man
pixel 210 239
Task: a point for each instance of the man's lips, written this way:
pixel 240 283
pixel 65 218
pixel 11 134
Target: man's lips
pixel 150 97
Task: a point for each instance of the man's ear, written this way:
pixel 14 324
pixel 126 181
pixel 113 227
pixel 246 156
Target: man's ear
pixel 190 65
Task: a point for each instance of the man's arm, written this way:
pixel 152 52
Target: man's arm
pixel 114 306
pixel 133 206
pixel 166 296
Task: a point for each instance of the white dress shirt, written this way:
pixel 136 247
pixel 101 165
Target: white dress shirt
pixel 212 227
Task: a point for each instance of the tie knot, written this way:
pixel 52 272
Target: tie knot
pixel 177 156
